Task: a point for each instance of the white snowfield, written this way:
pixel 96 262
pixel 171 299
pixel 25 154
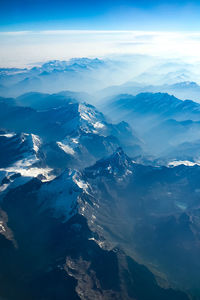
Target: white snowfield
pixel 8 135
pixel 81 184
pixel 93 119
pixel 66 148
pixel 60 195
pixel 98 125
pixel 28 166
pixel 36 142
pixel 188 163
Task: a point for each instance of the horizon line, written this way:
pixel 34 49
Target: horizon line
pixel 72 31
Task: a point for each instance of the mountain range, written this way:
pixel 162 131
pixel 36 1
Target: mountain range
pixel 99 198
pixel 162 121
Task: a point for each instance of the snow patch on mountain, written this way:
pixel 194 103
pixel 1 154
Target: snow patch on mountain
pixel 118 167
pixel 93 120
pixel 61 194
pixel 74 140
pixel 188 163
pixel 10 180
pixel 81 184
pixel 98 125
pixel 67 149
pixel 27 170
pixel 27 165
pixel 36 142
pixel 2 228
pixel 8 135
pixel 3 187
pixel 98 242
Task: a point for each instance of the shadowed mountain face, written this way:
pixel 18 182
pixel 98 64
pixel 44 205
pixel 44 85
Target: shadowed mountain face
pixel 62 237
pixel 123 74
pixel 79 218
pixel 156 106
pixel 48 257
pixel 162 121
pixel 151 212
pixel 15 147
pixel 80 75
pixel 181 89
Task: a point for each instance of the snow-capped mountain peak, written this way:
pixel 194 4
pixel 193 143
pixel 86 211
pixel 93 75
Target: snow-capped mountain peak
pixel 118 166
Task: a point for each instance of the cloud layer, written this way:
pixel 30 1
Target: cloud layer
pixel 21 48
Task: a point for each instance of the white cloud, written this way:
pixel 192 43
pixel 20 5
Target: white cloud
pixel 26 47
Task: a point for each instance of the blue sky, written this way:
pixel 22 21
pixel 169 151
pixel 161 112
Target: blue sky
pixel 99 15
pixel 32 31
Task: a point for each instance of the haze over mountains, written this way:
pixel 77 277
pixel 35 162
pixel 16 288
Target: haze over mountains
pixel 99 180
pixel 130 74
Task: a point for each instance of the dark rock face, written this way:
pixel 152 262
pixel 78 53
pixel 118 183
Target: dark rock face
pixel 46 258
pixel 150 212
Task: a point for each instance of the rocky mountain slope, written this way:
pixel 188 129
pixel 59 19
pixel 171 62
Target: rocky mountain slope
pixel 80 219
